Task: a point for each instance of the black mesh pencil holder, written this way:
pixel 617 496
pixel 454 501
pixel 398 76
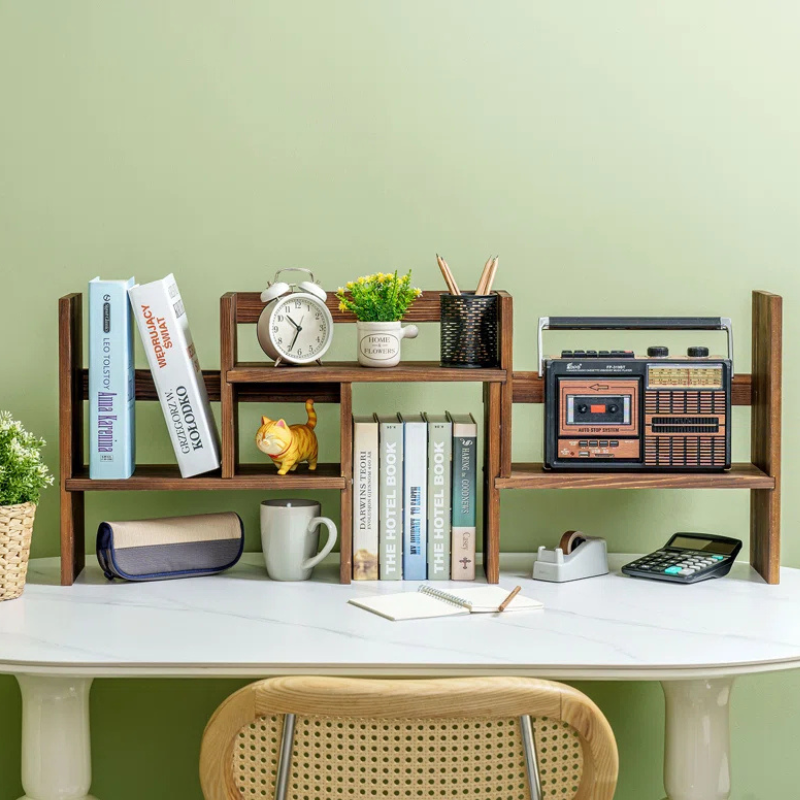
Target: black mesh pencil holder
pixel 469 330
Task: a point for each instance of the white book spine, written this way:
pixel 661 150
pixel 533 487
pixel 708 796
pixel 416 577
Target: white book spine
pixel 440 452
pixel 167 340
pixel 365 500
pixel 391 501
pixel 415 500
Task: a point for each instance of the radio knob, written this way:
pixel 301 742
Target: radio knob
pixel 658 352
pixel 612 409
pixel 583 408
pixel 697 352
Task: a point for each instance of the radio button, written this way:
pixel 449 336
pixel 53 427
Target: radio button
pixel 593 443
pixel 603 444
pixel 591 354
pixel 566 354
pixel 604 353
pixel 613 443
pixel 579 353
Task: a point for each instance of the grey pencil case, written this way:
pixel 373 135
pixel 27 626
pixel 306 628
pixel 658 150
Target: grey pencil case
pixel 172 547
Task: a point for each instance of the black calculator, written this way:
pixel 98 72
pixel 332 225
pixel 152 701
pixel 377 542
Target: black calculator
pixel 688 558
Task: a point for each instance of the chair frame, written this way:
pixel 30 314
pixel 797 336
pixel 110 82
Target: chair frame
pixel 449 698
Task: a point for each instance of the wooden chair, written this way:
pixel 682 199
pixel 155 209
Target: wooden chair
pixel 308 738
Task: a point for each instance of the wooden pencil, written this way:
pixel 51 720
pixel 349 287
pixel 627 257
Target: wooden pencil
pixel 445 274
pixel 492 273
pixel 504 604
pixel 484 277
pixel 451 281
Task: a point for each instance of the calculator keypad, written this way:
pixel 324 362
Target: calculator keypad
pixel 680 565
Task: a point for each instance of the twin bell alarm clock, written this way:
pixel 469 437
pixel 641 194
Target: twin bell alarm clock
pixel 295 326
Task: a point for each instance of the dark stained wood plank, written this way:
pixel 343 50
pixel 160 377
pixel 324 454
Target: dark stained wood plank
pixel 70 434
pixel 506 323
pixel 765 505
pixel 353 372
pixel 424 309
pixel 533 476
pixel 229 409
pixel 528 387
pixel 346 455
pixel 247 393
pixel 492 408
pixel 167 477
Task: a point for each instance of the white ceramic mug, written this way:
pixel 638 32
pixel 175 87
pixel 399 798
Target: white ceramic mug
pixel 290 538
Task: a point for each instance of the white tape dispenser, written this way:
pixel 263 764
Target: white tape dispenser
pixel 577 556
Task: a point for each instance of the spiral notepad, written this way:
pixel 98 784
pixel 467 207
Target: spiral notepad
pixel 429 602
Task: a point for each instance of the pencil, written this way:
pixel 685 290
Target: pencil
pixel 492 273
pixel 445 274
pixel 504 604
pixel 452 281
pixel 484 277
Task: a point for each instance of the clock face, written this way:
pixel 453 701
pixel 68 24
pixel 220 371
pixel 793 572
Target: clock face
pixel 300 328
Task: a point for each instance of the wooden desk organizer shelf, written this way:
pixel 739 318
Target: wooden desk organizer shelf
pixel 246 382
pixel 260 382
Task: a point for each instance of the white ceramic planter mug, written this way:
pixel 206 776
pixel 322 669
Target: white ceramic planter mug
pixel 290 538
pixel 379 342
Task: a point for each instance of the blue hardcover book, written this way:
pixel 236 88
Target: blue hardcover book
pixel 112 437
pixel 415 497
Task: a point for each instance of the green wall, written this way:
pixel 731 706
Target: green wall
pixel 621 157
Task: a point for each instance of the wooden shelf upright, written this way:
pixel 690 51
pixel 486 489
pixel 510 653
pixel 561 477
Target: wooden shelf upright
pixel 762 475
pixel 261 382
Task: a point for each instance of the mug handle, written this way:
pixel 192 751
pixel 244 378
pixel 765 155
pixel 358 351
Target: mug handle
pixel 409 332
pixel 331 526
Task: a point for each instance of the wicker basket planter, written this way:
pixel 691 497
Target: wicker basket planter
pixel 16 526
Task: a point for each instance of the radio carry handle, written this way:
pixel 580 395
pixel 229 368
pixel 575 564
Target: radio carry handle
pixel 635 324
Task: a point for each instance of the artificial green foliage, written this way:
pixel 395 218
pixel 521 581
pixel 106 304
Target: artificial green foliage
pixel 382 297
pixel 22 473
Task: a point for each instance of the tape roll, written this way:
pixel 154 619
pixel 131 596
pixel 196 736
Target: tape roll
pixel 570 540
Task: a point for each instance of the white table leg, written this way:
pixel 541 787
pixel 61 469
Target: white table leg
pixel 56 751
pixel 697 763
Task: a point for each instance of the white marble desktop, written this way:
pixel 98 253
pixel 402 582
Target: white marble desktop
pixel 242 623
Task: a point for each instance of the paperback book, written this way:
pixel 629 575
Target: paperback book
pixel 365 499
pixel 390 513
pixel 168 344
pixel 465 438
pixel 415 500
pixel 112 435
pixel 440 452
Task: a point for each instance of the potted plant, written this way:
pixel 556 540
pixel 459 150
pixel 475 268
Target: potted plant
pixel 22 477
pixel 379 302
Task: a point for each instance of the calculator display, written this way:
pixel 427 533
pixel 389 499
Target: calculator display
pixel 707 545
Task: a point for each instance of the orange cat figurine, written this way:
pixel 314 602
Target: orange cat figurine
pixel 288 445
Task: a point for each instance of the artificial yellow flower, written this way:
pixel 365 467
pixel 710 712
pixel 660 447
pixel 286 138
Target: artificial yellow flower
pixel 349 284
pixel 342 307
pixel 340 290
pixel 417 292
pixel 362 280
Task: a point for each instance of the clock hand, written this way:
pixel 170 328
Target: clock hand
pixel 292 321
pixel 296 334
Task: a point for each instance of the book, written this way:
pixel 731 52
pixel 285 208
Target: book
pixel 465 454
pixel 112 430
pixel 390 494
pixel 440 477
pixel 415 500
pixel 365 499
pixel 164 329
pixel 428 602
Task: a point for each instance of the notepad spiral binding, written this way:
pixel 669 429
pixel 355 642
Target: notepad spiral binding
pixel 444 596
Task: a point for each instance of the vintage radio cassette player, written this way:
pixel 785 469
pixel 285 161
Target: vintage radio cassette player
pixel 615 410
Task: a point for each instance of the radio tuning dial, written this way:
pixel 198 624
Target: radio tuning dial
pixel 697 352
pixel 658 352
